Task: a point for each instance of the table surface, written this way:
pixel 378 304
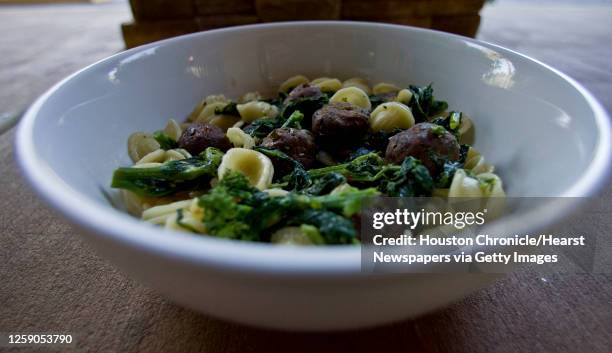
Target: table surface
pixel 53 281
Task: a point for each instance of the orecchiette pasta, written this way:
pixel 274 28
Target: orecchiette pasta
pixel 290 236
pixel 481 185
pixel 275 192
pixel 390 116
pixel 239 138
pixel 136 204
pixel 404 96
pixel 249 97
pixel 173 129
pixel 208 100
pixel 252 111
pixel 466 130
pixel 183 220
pixel 359 83
pixel 224 121
pixel 256 166
pixel 327 84
pixel 352 95
pixel 292 82
pixel 476 163
pixel 161 156
pixel 159 214
pixel 384 87
pixel 209 111
pixel 140 144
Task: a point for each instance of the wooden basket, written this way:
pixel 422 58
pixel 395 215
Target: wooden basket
pixel 160 19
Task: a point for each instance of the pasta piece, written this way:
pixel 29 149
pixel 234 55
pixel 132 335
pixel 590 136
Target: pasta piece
pixel 290 236
pixel 475 162
pixel 160 156
pixel 390 116
pixel 354 96
pixel 209 111
pixel 224 121
pixel 147 165
pixel 292 82
pixel 239 138
pixel 156 156
pixel 208 100
pixel 404 96
pixel 256 166
pixel 482 185
pixel 385 87
pixel 173 130
pixel 342 188
pixel 252 111
pixel 176 154
pixel 159 214
pixel 327 84
pixel 249 97
pixel 466 130
pixel 183 220
pixel 140 144
pixel 358 83
pixel 276 192
pixel 133 203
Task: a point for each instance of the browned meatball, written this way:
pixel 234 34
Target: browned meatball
pixel 303 91
pixel 298 144
pixel 198 136
pixel 340 125
pixel 305 98
pixel 427 142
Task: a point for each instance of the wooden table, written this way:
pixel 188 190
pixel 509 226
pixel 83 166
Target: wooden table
pixel 52 281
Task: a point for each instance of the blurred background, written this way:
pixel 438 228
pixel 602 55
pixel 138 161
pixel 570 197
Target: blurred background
pixel 44 40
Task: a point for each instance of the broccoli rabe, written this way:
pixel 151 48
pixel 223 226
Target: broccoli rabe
pixel 234 209
pixel 165 141
pixel 262 127
pixel 451 123
pixel 410 178
pixel 423 103
pixel 183 175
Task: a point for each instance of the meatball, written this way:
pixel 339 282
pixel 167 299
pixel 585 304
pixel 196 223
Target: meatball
pixel 427 142
pixel 304 91
pixel 305 98
pixel 340 125
pixel 298 144
pixel 198 136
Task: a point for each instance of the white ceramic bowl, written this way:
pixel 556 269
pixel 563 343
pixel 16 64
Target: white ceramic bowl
pixel 547 135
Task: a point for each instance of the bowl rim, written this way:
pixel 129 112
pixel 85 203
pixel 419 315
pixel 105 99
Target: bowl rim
pixel 240 256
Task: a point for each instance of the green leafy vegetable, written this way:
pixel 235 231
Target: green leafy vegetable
pixel 262 127
pixel 452 122
pixel 233 209
pixel 306 105
pixel 410 179
pixel 312 233
pixel 170 177
pixel 423 103
pixel 325 184
pixel 229 109
pixel 294 120
pixel 165 141
pixel 448 172
pixel 334 228
pixel 378 141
